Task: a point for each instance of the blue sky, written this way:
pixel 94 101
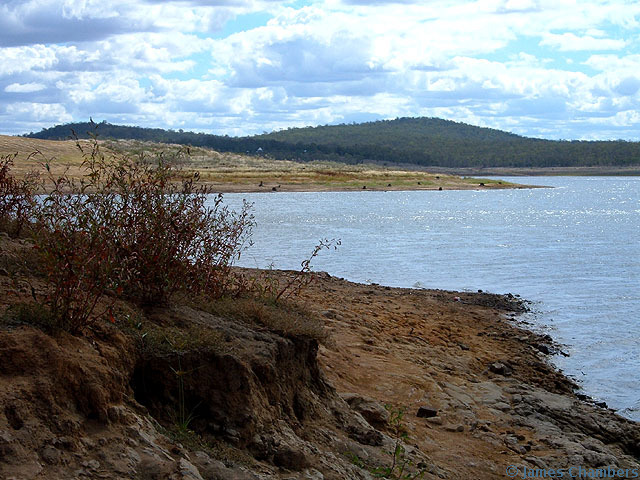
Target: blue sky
pixel 550 69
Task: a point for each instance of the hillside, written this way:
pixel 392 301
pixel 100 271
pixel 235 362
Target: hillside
pixel 404 141
pixel 234 172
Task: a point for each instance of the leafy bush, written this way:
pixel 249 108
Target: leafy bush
pixel 16 196
pixel 137 229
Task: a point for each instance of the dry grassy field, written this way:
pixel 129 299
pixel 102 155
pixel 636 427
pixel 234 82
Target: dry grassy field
pixel 228 172
pixel 33 154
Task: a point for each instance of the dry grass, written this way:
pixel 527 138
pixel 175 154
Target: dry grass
pixel 234 172
pixel 229 172
pixel 34 154
pixel 286 318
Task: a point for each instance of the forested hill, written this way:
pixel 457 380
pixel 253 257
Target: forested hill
pixel 421 141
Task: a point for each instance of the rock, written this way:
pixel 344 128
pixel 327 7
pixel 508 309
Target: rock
pixel 50 455
pixel 120 414
pixel 332 314
pixel 216 470
pixel 372 411
pixel 537 462
pixel 312 474
pixel 7 445
pixel 454 428
pixel 512 443
pixel 427 412
pixel 543 348
pixel 502 406
pixel 91 465
pixel 500 368
pixel 188 471
pixel 291 459
pixel 366 436
pixel 435 420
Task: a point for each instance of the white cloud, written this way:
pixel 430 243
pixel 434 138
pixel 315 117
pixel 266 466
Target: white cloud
pixel 24 87
pixel 568 42
pixel 168 64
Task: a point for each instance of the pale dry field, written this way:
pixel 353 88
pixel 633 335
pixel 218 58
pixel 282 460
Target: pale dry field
pixel 229 172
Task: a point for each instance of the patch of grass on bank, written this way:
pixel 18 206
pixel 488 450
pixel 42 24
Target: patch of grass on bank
pixel 286 318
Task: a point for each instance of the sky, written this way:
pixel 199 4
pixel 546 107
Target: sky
pixel 557 69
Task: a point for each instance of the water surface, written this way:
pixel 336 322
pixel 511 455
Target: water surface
pixel 574 250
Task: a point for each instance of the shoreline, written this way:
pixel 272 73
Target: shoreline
pixel 603 171
pixel 273 187
pixel 273 399
pixel 464 355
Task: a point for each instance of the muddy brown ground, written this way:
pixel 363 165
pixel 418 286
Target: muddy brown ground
pixel 411 348
pixel 276 405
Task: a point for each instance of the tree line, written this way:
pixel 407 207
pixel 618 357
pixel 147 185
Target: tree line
pixel 420 141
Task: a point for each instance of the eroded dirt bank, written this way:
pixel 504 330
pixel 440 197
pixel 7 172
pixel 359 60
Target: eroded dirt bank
pixel 496 400
pixel 261 403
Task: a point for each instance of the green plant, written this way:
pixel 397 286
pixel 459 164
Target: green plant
pixel 355 459
pixel 183 418
pixel 401 466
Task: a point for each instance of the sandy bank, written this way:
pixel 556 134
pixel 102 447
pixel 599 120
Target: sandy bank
pixel 270 402
pixel 465 356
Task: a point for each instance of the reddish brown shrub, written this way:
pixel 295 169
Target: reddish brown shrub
pixel 16 196
pixel 137 229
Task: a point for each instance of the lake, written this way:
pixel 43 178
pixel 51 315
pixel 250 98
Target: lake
pixel 573 250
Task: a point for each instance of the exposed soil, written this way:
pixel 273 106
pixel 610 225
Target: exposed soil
pixel 477 391
pixel 463 355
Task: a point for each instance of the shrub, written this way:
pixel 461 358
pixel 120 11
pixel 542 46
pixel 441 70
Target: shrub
pixel 76 256
pixel 16 196
pixel 136 228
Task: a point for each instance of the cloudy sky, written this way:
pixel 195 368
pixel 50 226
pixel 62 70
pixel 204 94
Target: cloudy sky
pixel 552 69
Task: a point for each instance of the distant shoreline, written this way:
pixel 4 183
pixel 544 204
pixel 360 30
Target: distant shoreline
pixel 310 187
pixel 603 171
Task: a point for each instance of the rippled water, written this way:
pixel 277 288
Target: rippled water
pixel 574 250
